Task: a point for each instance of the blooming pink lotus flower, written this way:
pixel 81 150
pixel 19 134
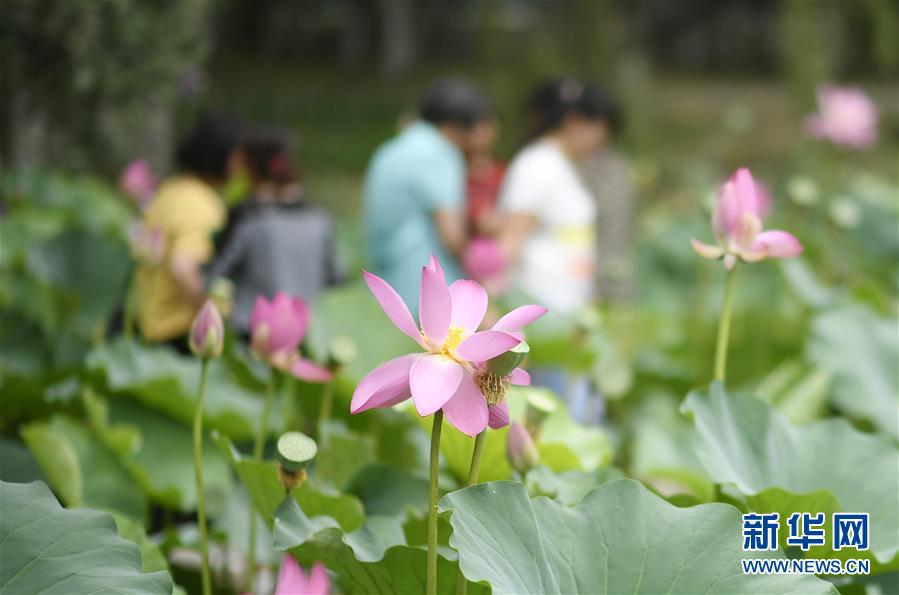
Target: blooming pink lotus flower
pixel 138 182
pixel 277 328
pixel 452 373
pixel 846 116
pixel 737 222
pixel 293 581
pixel 207 332
pixel 147 244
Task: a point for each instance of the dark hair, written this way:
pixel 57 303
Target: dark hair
pixel 454 101
pixel 269 155
pixel 207 147
pixel 553 101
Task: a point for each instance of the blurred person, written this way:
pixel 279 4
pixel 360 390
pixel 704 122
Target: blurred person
pixel 548 233
pixel 485 175
pixel 188 211
pixel 482 259
pixel 415 188
pixel 275 241
pixel 607 175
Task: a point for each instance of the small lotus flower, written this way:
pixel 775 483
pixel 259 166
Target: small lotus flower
pixel 521 449
pixel 293 581
pixel 138 182
pixel 846 116
pixel 277 328
pixel 484 261
pixel 737 222
pixel 452 374
pixel 207 332
pixel 147 244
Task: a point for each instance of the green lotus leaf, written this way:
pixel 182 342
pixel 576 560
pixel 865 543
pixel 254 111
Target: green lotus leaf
pixel 371 559
pixel 45 548
pixel 621 538
pixel 742 441
pixel 860 349
pixel 83 471
pixel 167 382
pixel 266 492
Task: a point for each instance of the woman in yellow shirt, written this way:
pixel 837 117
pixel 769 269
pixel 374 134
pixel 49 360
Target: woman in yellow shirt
pixel 188 210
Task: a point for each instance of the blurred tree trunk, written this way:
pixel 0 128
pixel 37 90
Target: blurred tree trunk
pixel 354 42
pixel 27 132
pixel 812 36
pixel 397 36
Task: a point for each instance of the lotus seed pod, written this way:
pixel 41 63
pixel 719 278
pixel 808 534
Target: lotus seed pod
pixel 540 405
pixel 342 351
pixel 222 293
pixel 295 450
pixel 502 365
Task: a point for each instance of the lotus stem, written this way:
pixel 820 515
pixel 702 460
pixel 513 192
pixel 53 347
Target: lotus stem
pixel 258 447
pixel 724 327
pixel 325 412
pixel 431 584
pixel 130 307
pixel 473 470
pixel 198 474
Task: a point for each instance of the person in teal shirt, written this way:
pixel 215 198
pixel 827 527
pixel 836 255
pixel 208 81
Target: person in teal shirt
pixel 415 189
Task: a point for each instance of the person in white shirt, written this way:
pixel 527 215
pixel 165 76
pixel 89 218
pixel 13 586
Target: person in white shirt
pixel 549 216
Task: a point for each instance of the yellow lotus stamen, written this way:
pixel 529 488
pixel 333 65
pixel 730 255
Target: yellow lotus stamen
pixel 493 386
pixel 453 337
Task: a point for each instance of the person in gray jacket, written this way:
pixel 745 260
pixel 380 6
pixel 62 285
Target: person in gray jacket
pixel 274 241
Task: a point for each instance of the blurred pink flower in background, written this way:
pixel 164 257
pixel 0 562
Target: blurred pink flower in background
pixel 138 182
pixel 293 581
pixel 846 116
pixel 277 328
pixel 207 332
pixel 737 222
pixel 483 260
pixel 147 244
pixel 521 449
pixel 451 374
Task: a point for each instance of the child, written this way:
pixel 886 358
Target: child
pixel 482 259
pixel 187 211
pixel 275 242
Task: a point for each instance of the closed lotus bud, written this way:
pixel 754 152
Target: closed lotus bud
pixel 207 333
pixel 521 449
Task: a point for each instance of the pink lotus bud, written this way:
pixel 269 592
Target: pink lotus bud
pixel 138 182
pixel 293 581
pixel 278 326
pixel 737 223
pixel 207 332
pixel 521 449
pixel 846 116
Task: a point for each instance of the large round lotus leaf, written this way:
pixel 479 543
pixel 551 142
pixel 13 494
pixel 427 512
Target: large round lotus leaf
pixel 47 549
pixel 784 468
pixel 621 538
